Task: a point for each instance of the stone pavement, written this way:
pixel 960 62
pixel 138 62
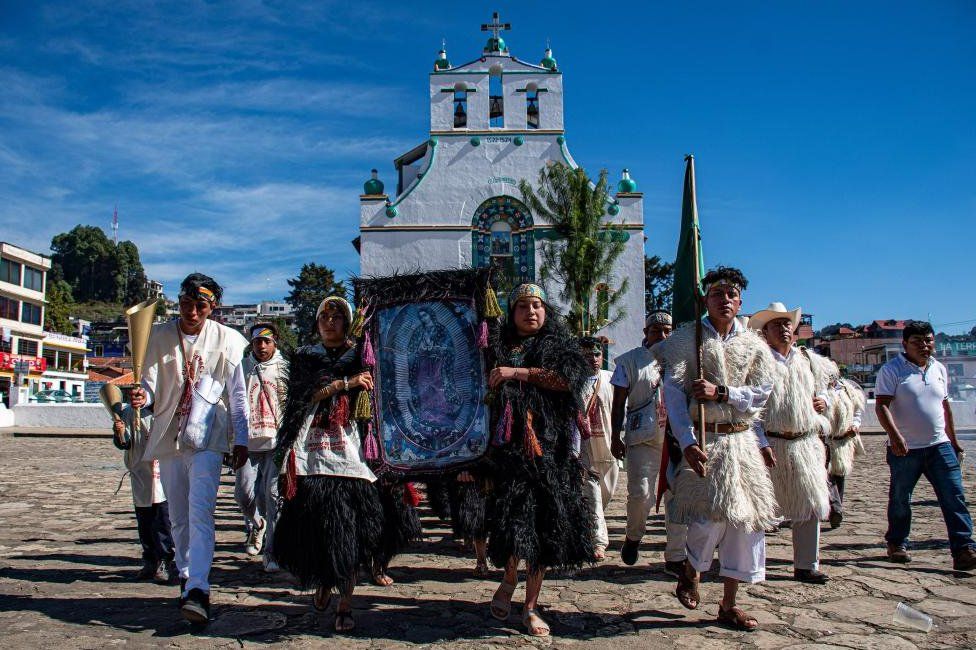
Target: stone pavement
pixel 68 547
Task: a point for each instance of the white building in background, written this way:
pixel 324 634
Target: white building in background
pixel 493 121
pixel 31 359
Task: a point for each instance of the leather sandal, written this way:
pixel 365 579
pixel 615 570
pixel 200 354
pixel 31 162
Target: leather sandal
pixel 321 599
pixel 687 589
pixel 500 608
pixel 737 619
pixel 534 624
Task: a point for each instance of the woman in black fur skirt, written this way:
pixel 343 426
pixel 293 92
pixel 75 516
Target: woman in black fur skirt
pixel 460 498
pixel 331 522
pixel 537 511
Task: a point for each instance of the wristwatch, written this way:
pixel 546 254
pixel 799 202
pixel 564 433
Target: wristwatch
pixel 721 394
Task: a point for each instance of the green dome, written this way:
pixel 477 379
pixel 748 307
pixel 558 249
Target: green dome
pixel 496 45
pixel 391 211
pixel 627 185
pixel 374 185
pixel 548 62
pixel 441 63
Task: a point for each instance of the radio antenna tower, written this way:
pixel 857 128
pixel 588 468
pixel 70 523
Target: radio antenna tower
pixel 115 225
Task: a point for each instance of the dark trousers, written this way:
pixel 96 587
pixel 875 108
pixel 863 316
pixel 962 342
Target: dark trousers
pixel 939 465
pixel 154 534
pixel 836 492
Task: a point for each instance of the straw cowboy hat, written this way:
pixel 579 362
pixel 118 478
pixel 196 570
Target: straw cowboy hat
pixel 774 311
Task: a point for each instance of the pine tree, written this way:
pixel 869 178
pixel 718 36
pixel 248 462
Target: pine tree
pixel 581 260
pixel 313 284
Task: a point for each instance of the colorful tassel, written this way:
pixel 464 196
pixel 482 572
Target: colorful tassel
pixel 503 432
pixel 411 496
pixel 372 446
pixel 364 408
pixel 530 443
pixel 358 322
pixel 492 308
pixel 291 476
pixel 339 415
pixel 369 357
pixel 483 335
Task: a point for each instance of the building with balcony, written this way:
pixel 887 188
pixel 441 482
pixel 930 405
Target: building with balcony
pixel 23 275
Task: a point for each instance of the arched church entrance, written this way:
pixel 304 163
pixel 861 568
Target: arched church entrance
pixel 502 238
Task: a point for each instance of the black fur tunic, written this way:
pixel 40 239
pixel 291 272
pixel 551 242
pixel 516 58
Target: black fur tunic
pixel 537 510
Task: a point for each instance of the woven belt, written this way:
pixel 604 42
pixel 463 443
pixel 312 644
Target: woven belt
pixel 786 435
pixel 849 434
pixel 724 428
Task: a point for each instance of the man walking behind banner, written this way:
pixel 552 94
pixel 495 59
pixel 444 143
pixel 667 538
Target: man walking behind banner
pixel 730 505
pixel 638 435
pixel 601 466
pixel 256 482
pixel 793 423
pixel 194 384
pixel 913 407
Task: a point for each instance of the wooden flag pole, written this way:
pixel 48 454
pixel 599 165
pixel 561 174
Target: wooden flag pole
pixel 698 301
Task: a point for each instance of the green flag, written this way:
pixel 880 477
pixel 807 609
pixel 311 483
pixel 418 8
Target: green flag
pixel 689 267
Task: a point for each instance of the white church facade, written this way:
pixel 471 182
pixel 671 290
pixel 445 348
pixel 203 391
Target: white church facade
pixel 456 204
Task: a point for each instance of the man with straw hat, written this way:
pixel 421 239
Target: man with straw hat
pixel 793 422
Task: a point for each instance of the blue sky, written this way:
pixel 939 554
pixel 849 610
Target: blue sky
pixel 835 142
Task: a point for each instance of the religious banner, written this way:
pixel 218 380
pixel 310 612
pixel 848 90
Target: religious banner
pixel 428 335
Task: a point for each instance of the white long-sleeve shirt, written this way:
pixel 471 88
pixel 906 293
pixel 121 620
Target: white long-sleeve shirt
pixel 741 398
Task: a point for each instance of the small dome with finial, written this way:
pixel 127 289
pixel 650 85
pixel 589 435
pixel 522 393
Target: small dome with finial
pixel 442 63
pixel 374 185
pixel 627 185
pixel 548 62
pixel 496 45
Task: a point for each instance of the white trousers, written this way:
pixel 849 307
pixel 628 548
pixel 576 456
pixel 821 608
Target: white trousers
pixel 741 554
pixel 806 544
pixel 643 462
pixel 599 491
pixel 191 480
pixel 256 492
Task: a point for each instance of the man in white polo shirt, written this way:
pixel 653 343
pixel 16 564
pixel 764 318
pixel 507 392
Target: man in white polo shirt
pixel 913 407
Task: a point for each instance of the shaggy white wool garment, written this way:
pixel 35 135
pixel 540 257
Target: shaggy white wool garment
pixel 743 360
pixel 790 405
pixel 800 474
pixel 846 401
pixel 736 487
pixel 800 478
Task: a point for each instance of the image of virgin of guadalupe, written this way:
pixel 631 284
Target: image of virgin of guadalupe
pixel 434 401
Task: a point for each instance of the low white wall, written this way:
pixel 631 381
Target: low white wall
pixel 6 416
pixel 963 415
pixel 62 416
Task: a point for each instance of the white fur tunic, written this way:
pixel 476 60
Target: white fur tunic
pixel 736 487
pixel 848 399
pixel 800 474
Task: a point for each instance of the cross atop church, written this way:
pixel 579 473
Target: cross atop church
pixel 494 26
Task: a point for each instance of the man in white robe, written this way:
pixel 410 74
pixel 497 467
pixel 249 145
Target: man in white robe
pixel 601 466
pixel 193 381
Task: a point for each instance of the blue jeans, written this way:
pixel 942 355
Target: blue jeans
pixel 940 466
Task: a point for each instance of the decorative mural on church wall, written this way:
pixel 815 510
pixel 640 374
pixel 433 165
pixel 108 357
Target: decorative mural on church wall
pixel 431 381
pixel 510 250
